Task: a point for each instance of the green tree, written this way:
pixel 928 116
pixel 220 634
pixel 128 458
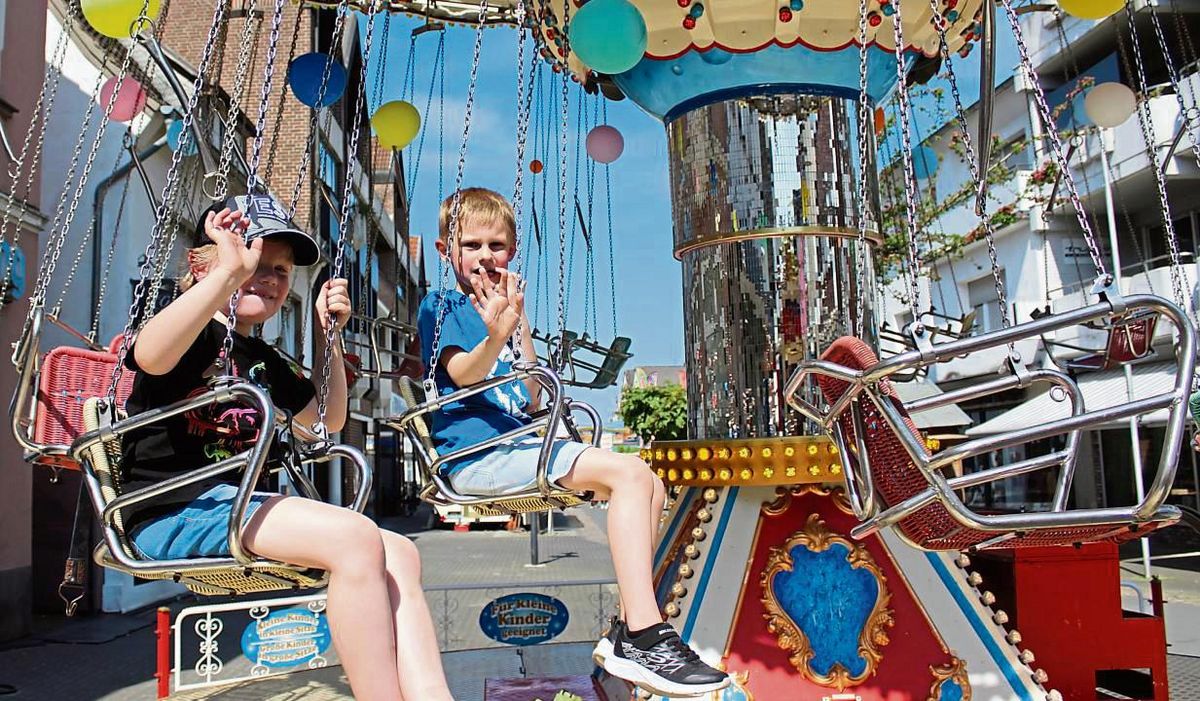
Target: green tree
pixel 655 413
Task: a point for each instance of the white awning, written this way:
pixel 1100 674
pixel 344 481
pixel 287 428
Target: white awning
pixel 938 417
pixel 1101 390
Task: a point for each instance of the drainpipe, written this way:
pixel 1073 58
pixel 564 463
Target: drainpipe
pixel 98 196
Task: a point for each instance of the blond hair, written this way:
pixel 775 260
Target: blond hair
pixel 198 258
pixel 479 206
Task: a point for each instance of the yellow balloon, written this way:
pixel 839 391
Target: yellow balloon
pixel 1091 9
pixel 115 18
pixel 396 123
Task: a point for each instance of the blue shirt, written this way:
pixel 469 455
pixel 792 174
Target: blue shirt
pixel 481 416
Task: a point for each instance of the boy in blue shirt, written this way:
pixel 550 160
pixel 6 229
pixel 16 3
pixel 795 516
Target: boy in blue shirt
pixel 474 344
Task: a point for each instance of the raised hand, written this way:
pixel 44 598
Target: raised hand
pixel 499 304
pixel 227 229
pixel 334 300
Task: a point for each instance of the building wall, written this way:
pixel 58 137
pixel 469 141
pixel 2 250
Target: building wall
pixel 21 62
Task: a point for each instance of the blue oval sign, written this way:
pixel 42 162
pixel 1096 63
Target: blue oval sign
pixel 523 619
pixel 286 638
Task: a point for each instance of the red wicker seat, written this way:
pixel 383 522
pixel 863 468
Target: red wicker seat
pixel 68 377
pixel 896 477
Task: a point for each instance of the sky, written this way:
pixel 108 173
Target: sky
pixel 648 288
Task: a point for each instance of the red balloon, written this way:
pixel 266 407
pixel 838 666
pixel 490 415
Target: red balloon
pixel 535 166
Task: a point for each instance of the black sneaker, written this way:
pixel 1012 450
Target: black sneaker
pixel 604 648
pixel 660 662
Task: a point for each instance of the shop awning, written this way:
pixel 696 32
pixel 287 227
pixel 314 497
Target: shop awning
pixel 939 417
pixel 1101 390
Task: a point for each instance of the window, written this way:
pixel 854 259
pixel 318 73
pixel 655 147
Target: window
pixel 2 6
pixel 1015 154
pixel 981 295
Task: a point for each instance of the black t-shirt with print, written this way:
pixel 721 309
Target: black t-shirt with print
pixel 206 435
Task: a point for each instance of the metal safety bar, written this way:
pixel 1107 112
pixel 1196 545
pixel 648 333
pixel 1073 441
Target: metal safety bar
pixel 557 413
pixel 251 462
pixel 869 383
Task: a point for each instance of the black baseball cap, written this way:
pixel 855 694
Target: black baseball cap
pixel 267 218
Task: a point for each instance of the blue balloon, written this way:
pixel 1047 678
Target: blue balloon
pixel 609 36
pixel 925 162
pixel 715 56
pixel 175 136
pixel 304 77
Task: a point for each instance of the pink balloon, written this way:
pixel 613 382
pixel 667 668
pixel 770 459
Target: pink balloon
pixel 605 144
pixel 131 98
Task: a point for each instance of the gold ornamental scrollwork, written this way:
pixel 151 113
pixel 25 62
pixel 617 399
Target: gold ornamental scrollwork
pixel 816 537
pixel 955 671
pixel 784 496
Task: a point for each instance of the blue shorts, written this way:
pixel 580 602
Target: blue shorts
pixel 200 529
pixel 512 467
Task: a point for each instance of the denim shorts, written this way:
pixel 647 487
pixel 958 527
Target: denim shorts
pixel 200 529
pixel 512 467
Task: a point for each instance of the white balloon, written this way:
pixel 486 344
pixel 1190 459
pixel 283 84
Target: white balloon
pixel 1109 104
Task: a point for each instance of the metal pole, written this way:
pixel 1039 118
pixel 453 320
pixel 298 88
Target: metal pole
pixel 1134 432
pixel 535 524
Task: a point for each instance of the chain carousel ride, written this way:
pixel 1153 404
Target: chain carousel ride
pixel 792 558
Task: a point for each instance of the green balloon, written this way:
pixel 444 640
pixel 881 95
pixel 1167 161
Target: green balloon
pixel 608 36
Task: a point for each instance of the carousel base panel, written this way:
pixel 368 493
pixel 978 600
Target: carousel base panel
pixel 766 583
pixel 543 688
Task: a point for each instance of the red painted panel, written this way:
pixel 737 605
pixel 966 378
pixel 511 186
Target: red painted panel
pixel 904 672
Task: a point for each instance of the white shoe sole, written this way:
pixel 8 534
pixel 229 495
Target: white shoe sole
pixel 644 678
pixel 602 651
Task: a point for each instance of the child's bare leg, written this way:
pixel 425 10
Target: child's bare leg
pixel 417 656
pixel 657 502
pixel 629 484
pixel 349 546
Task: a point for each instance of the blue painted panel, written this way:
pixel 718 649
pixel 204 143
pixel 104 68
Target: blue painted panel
pixel 830 602
pixel 523 619
pixel 667 88
pixel 286 638
pixel 949 690
pixel 12 259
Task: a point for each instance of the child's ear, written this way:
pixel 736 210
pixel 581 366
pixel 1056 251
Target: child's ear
pixel 440 245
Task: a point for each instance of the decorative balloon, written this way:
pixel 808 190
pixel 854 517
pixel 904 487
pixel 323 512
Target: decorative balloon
pixel 131 98
pixel 1091 9
pixel 396 123
pixel 304 78
pixel 925 162
pixel 116 18
pixel 609 36
pixel 535 166
pixel 715 56
pixel 604 143
pixel 175 138
pixel 1109 104
pixel 880 121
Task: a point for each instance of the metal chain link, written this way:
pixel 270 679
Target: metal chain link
pixel 562 177
pixel 438 59
pixel 42 109
pixel 456 201
pixel 906 157
pixel 1189 115
pixel 612 261
pixel 960 115
pixel 314 113
pixel 864 135
pixel 1160 180
pixel 94 332
pixel 345 223
pixel 170 188
pixel 524 106
pixel 1060 159
pixel 264 96
pixel 283 91
pixel 229 141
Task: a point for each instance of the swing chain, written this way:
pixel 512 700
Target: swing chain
pixel 1160 182
pixel 864 134
pixel 523 109
pixel 247 46
pixel 169 191
pixel 1186 114
pixel 94 332
pixel 42 109
pixel 283 91
pixel 264 96
pixel 989 231
pixel 1060 159
pixel 455 205
pixel 909 176
pixel 314 113
pixel 345 223
pixel 562 178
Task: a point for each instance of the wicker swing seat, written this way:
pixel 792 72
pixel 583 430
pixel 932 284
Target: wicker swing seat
pixel 893 480
pixel 98 451
pixel 415 423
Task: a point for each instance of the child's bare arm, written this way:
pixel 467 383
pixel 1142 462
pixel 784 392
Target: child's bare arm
pixel 334 300
pixel 468 367
pixel 167 336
